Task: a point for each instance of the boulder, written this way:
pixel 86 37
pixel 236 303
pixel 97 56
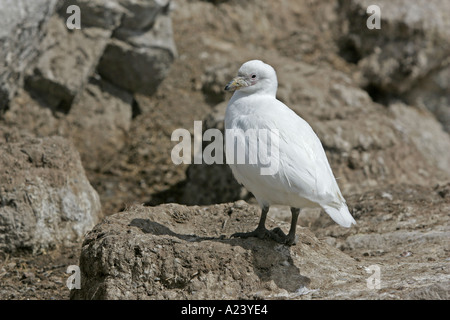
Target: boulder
pixel 25 114
pixel 404 49
pixel 68 59
pixel 65 95
pixel 46 200
pixel 178 252
pixel 138 60
pixel 95 13
pixel 433 93
pixel 424 133
pixel 98 121
pixel 142 14
pixel 20 34
pixel 407 57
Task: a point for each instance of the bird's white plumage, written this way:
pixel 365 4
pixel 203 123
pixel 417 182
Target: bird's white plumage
pixel 304 177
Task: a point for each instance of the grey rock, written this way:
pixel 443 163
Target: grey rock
pixel 96 13
pixel 45 198
pixel 178 252
pixel 111 15
pixel 141 14
pixel 424 132
pixel 413 41
pixel 67 61
pixel 137 60
pixel 433 93
pixel 20 34
pixel 407 58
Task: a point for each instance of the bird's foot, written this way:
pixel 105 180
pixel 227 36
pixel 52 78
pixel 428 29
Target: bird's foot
pixel 279 236
pixel 262 233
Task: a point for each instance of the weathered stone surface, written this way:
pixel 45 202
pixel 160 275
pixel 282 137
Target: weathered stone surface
pixel 424 132
pixel 141 14
pixel 139 60
pixel 26 115
pixel 61 78
pixel 98 122
pixel 45 198
pixel 407 58
pixel 179 252
pixel 404 230
pixel 95 13
pixel 20 33
pixel 404 50
pixel 69 58
pixel 433 93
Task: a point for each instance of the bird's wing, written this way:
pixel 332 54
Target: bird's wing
pixel 306 162
pixel 307 166
pixel 309 172
pixel 303 164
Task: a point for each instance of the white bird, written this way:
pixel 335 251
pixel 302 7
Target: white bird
pixel 304 177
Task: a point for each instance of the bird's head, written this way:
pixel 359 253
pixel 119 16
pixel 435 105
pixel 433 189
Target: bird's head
pixel 254 76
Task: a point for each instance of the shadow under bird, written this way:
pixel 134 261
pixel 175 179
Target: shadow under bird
pixel 303 178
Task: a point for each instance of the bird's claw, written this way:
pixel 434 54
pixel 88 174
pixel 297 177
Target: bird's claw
pixel 279 236
pixel 258 233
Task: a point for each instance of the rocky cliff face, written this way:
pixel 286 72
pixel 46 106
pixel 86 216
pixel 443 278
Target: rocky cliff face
pixel 86 117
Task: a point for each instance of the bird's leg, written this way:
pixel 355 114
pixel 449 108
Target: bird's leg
pixel 288 239
pixel 260 232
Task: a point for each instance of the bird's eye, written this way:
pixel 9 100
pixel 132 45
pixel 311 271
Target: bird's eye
pixel 253 76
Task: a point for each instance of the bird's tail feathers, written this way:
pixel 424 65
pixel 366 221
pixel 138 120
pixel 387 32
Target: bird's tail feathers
pixel 340 215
